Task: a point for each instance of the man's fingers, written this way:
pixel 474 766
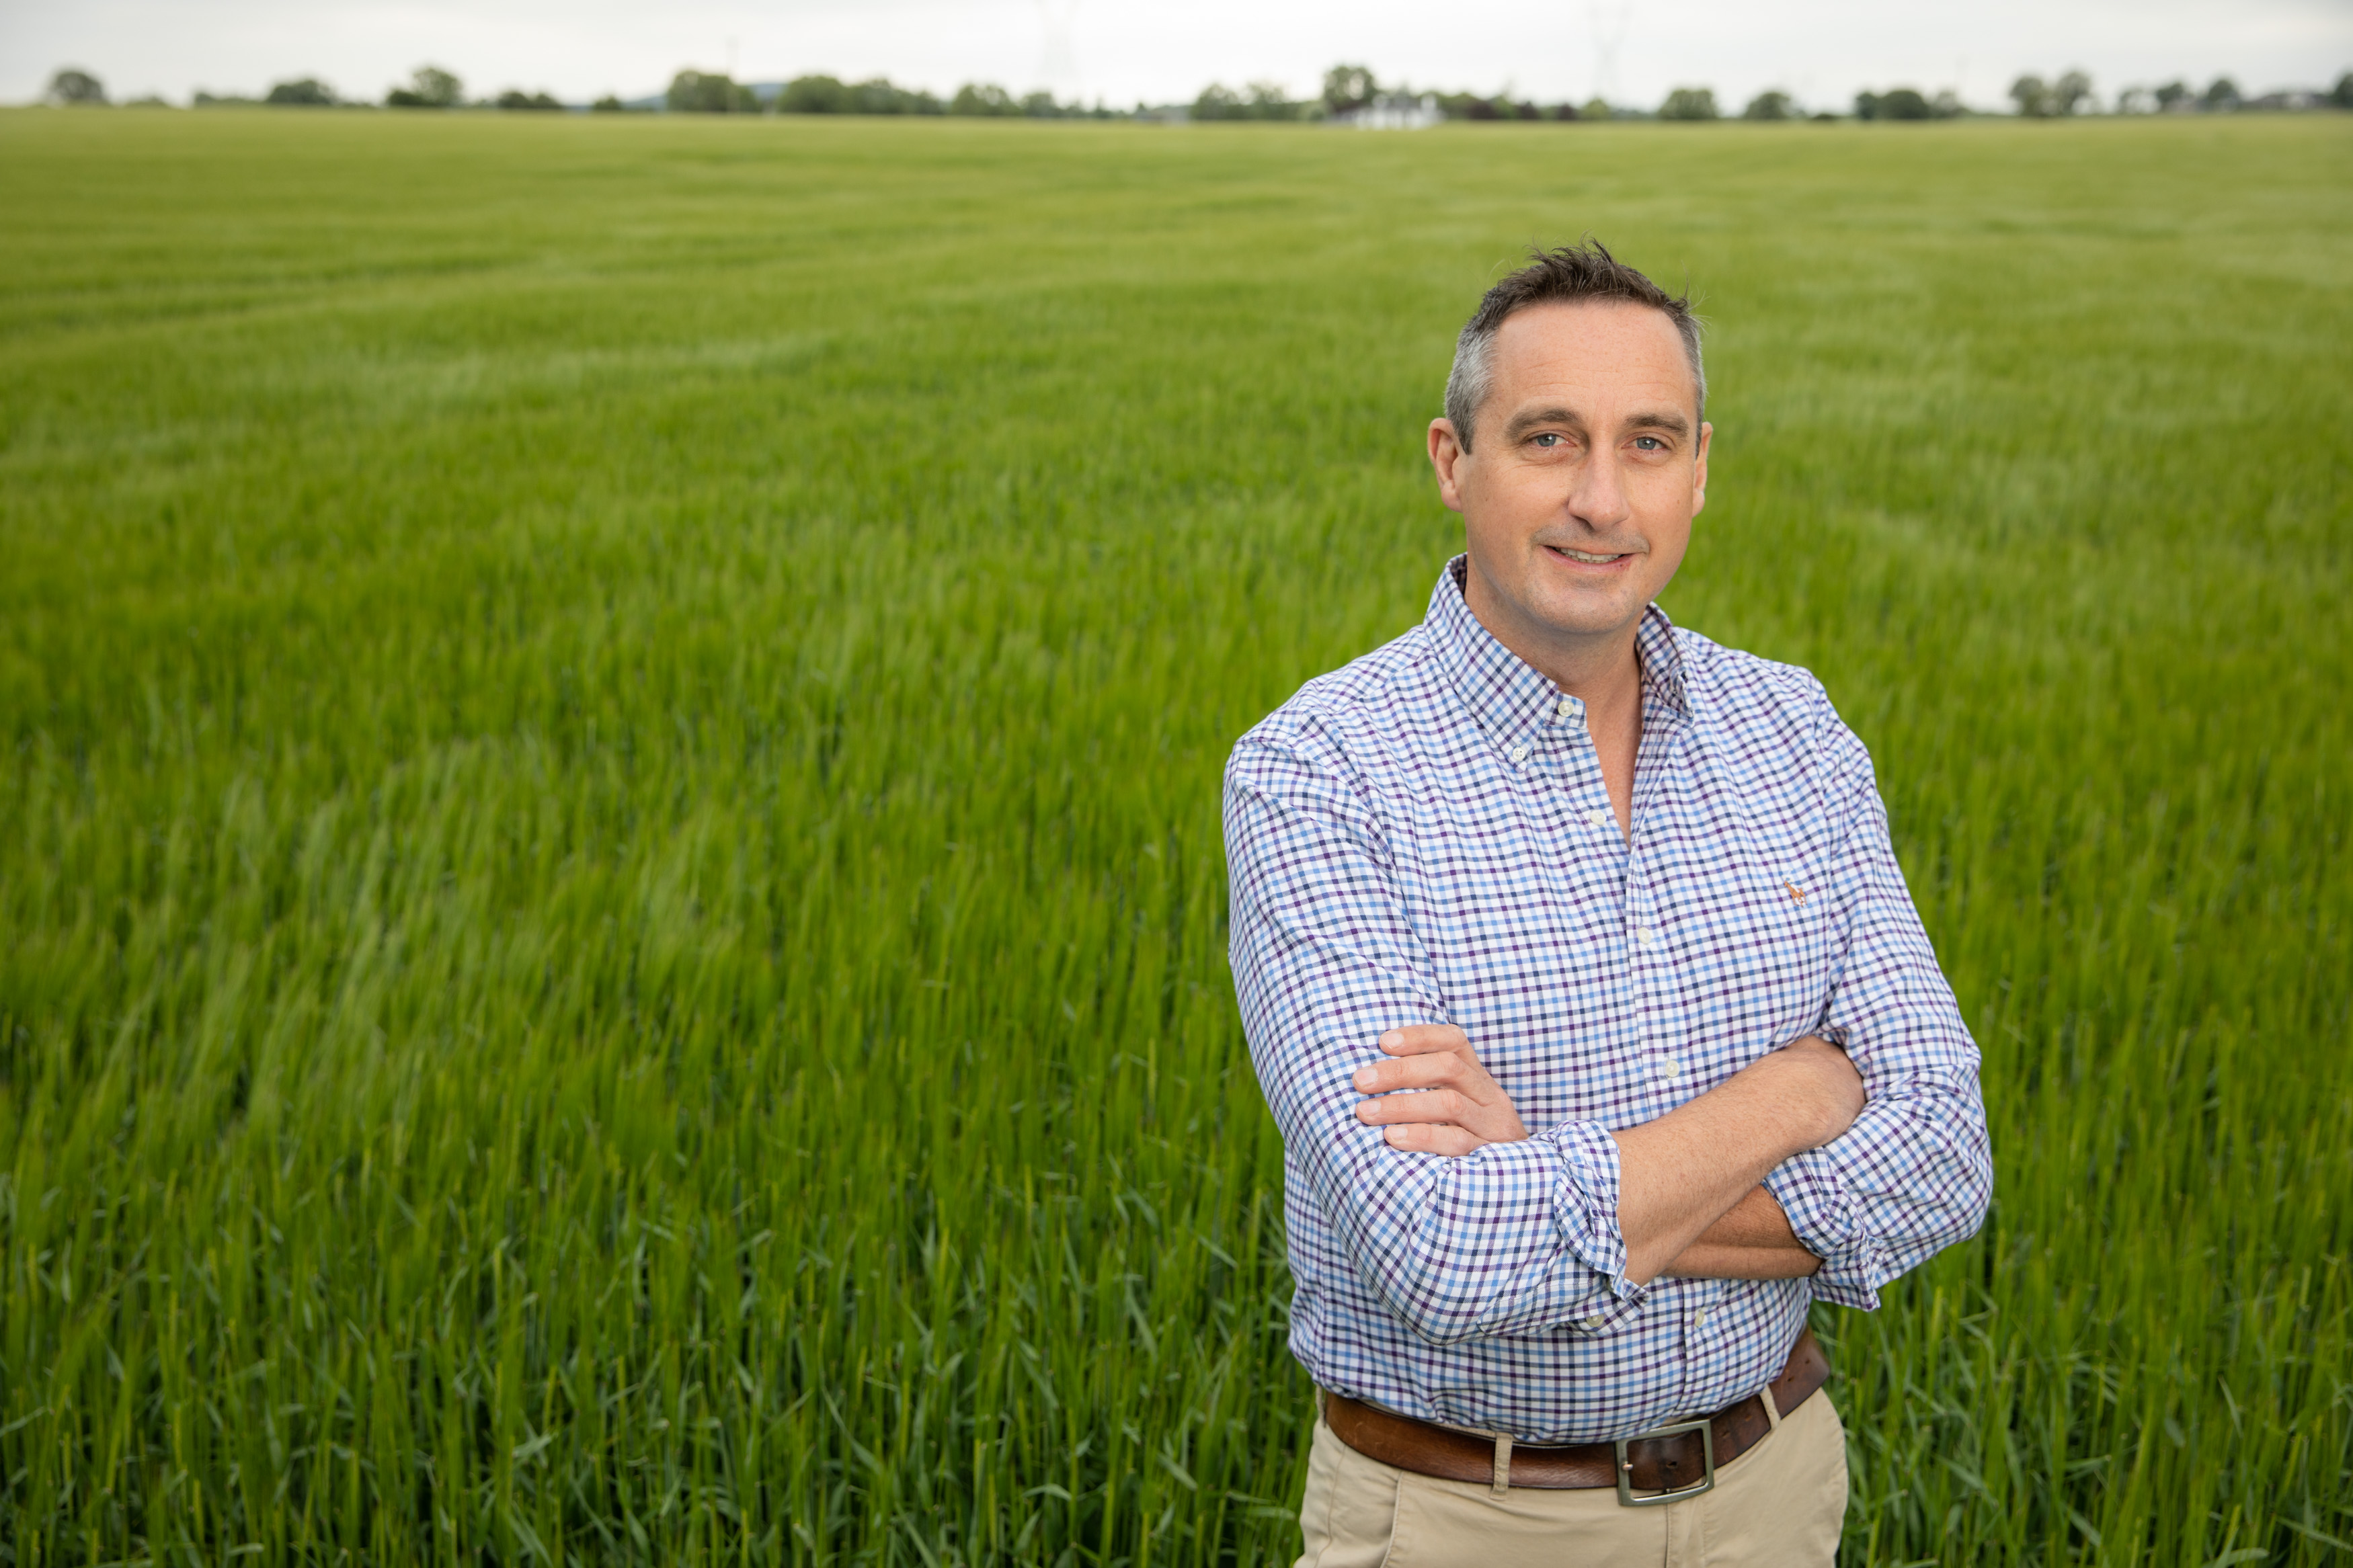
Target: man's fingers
pixel 1425 1139
pixel 1438 1070
pixel 1455 1106
pixel 1419 1040
pixel 1439 1105
pixel 1459 1107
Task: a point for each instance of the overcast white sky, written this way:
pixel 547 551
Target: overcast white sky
pixel 1164 50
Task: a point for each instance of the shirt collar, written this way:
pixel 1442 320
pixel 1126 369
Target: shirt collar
pixel 1509 697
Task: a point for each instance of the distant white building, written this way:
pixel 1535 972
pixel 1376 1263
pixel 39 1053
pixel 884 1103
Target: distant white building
pixel 1394 111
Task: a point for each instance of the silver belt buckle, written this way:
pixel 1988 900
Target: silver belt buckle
pixel 1706 1482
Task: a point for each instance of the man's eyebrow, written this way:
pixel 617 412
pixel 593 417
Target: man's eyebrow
pixel 1527 420
pixel 1675 424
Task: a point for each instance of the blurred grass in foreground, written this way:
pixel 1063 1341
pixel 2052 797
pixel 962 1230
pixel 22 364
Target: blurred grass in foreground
pixel 610 908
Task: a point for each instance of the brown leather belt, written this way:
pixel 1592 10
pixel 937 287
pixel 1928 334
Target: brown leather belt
pixel 1677 1460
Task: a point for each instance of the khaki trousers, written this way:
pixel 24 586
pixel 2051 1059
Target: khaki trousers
pixel 1778 1505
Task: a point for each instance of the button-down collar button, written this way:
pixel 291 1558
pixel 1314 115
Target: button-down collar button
pixel 1594 1321
pixel 1519 753
pixel 1597 818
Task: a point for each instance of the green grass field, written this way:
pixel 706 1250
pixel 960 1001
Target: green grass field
pixel 611 913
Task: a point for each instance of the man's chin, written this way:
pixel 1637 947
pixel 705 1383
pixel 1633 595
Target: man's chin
pixel 1592 612
pixel 1546 605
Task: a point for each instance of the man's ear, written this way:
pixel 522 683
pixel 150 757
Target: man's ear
pixel 1699 469
pixel 1446 456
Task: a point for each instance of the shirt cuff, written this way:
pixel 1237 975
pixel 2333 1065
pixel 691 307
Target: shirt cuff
pixel 1580 1281
pixel 1585 1202
pixel 1812 1190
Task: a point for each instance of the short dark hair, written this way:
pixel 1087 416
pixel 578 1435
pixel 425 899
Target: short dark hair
pixel 1566 276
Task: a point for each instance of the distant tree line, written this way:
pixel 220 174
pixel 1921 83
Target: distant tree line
pixel 1349 92
pixel 430 87
pixel 702 93
pixel 1353 90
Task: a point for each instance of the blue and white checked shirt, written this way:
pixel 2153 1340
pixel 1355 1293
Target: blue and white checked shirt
pixel 1423 836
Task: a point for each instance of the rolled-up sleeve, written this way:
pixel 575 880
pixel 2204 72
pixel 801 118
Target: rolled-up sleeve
pixel 1915 1173
pixel 1513 1238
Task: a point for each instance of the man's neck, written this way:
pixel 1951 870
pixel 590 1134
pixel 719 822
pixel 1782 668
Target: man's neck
pixel 1602 671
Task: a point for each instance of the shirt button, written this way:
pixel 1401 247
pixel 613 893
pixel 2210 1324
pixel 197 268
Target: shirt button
pixel 1519 753
pixel 1593 1323
pixel 1670 1068
pixel 1647 937
pixel 1598 818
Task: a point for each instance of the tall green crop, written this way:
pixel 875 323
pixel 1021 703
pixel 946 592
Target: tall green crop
pixel 611 898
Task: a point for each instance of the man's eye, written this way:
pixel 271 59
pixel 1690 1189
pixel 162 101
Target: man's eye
pixel 1547 441
pixel 1649 443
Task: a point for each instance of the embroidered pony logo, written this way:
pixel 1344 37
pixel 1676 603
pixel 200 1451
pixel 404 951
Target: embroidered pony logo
pixel 1795 891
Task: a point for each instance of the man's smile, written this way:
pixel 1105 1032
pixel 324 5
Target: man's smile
pixel 1590 558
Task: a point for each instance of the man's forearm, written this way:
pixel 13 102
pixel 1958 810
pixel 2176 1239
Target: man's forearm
pixel 1752 1240
pixel 1687 1170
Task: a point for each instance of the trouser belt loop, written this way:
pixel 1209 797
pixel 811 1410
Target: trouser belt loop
pixel 1502 1485
pixel 1772 1406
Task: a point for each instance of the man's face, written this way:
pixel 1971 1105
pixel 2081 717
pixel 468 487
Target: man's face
pixel 1584 474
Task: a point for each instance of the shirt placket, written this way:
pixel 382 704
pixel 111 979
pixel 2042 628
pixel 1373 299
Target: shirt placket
pixel 1649 945
pixel 1556 750
pixel 1602 862
pixel 1633 879
pixel 1594 824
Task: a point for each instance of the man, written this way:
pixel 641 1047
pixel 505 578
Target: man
pixel 1586 989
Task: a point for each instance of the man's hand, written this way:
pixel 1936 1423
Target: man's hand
pixel 1463 1109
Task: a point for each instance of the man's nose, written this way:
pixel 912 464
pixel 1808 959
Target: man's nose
pixel 1597 496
